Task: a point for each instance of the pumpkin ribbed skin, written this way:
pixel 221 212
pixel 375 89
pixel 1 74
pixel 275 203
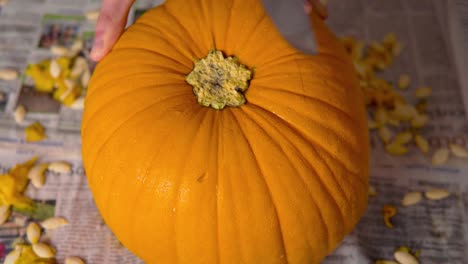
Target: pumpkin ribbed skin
pixel 280 179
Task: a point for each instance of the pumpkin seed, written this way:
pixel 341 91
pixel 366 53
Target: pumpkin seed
pixel 43 251
pixel 404 111
pixel 378 47
pixel 20 220
pixel 4 208
pixel 411 198
pixel 381 65
pixel 440 156
pixel 79 67
pixel 54 69
pixel 404 81
pixel 54 222
pixel 405 258
pixel 4 213
pixel 396 149
pixel 381 115
pixel 70 84
pixel 371 124
pixel 421 143
pixel 393 122
pixel 33 232
pixel 423 92
pixel 19 243
pixel 385 134
pixel 360 68
pixel 85 78
pixel 59 50
pixel 37 176
pixel 390 38
pixel 19 114
pixel 437 194
pixel 458 151
pixel 92 15
pixel 419 120
pixel 78 103
pixel 60 167
pixel 403 138
pixel 13 256
pixel 77 45
pixel 8 74
pixel 74 260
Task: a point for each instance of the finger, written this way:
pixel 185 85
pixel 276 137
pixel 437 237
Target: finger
pixel 110 25
pixel 318 6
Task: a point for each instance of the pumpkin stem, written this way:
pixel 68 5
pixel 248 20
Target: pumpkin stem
pixel 218 81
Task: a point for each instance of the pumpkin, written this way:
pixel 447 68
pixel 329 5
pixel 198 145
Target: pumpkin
pixel 208 138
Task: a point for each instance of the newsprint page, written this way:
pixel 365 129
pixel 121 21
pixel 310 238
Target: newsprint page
pixel 434 39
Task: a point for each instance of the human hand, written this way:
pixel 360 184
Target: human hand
pixel 110 25
pixel 113 17
pixel 318 6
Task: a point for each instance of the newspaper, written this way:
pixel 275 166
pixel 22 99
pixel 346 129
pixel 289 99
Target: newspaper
pixel 431 56
pixel 458 21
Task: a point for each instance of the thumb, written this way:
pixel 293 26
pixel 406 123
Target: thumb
pixel 317 6
pixel 110 25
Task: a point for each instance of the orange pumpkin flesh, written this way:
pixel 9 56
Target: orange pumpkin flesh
pixel 280 179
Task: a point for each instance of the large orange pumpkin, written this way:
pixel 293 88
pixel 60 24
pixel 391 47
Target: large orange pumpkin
pixel 280 177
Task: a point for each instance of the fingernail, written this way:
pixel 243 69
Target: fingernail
pixel 307 6
pixel 320 7
pixel 97 45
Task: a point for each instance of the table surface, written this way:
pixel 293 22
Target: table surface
pixel 421 26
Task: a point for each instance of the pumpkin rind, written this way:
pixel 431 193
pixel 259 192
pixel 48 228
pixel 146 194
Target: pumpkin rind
pixel 280 179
